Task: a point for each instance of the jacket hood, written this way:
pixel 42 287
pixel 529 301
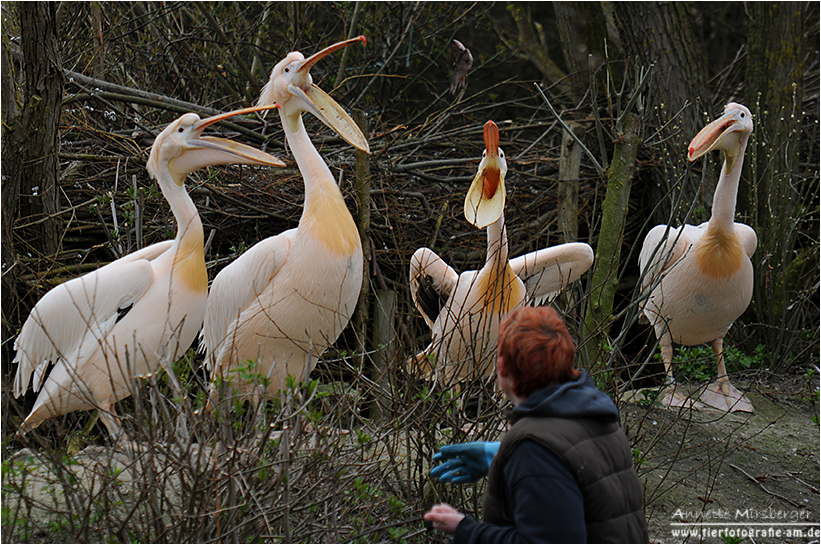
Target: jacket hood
pixel 575 399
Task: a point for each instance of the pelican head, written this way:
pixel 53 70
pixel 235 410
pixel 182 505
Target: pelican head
pixel 485 200
pixel 183 148
pixel 728 133
pixel 291 87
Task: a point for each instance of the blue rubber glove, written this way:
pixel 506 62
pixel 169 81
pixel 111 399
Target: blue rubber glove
pixel 465 462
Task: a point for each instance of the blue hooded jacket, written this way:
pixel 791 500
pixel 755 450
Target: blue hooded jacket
pixel 576 399
pixel 543 496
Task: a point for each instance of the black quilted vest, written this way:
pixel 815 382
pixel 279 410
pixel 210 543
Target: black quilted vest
pixel 598 455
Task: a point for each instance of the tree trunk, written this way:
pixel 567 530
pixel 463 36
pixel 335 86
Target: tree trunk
pixel 663 33
pixel 582 31
pixel 384 351
pixel 569 168
pixel 362 185
pixel 774 88
pixel 535 49
pixel 599 313
pixel 37 138
pixel 99 40
pixel 11 162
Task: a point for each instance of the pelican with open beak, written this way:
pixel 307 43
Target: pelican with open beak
pixel 285 300
pixel 291 82
pixel 464 310
pixel 125 319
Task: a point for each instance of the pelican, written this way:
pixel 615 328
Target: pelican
pixel 461 66
pixel 464 310
pixel 706 276
pixel 121 321
pixel 275 310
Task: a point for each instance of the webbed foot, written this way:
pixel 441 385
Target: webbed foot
pixel 725 397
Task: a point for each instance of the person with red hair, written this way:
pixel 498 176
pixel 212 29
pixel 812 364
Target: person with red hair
pixel 563 472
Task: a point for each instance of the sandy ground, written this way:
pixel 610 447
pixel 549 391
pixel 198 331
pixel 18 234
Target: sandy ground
pixel 751 476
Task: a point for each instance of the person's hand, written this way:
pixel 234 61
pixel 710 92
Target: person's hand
pixel 444 517
pixel 465 462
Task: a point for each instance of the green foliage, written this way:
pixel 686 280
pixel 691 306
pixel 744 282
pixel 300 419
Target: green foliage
pixel 649 397
pixel 697 363
pixel 396 505
pixel 362 438
pixel 397 534
pixel 692 363
pixel 239 249
pixel 638 457
pixel 247 372
pixel 811 392
pixel 604 379
pixel 726 538
pixel 736 360
pixel 16 476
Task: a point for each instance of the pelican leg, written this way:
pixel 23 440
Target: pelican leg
pixel 721 394
pixel 671 398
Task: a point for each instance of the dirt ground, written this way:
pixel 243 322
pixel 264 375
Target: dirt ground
pixel 751 476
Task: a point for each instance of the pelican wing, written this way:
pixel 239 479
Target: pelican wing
pixel 236 286
pixel 662 247
pixel 149 253
pixel 432 282
pixel 748 238
pixel 84 307
pixel 546 272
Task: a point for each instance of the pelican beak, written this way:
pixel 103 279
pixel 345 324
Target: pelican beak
pixel 308 63
pixel 202 151
pixel 717 135
pixel 485 200
pixel 323 106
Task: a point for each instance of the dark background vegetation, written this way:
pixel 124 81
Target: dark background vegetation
pixel 74 151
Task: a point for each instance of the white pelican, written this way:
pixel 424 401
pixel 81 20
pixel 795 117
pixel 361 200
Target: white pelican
pixel 119 322
pixel 463 311
pixel 706 272
pixel 461 66
pixel 287 298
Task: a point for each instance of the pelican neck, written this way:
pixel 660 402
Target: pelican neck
pixel 182 206
pixel 315 173
pixel 722 216
pixel 497 250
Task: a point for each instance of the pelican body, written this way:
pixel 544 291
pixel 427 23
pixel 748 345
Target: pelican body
pixel 123 320
pixel 464 310
pixel 278 307
pixel 705 271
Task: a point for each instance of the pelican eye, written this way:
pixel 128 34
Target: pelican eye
pixel 484 154
pixel 181 129
pixel 742 115
pixel 501 154
pixel 287 70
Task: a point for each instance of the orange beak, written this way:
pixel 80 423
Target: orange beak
pixel 485 200
pixel 308 63
pixel 317 101
pixel 723 134
pixel 201 151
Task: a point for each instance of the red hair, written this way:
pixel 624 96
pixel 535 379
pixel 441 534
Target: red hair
pixel 537 349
